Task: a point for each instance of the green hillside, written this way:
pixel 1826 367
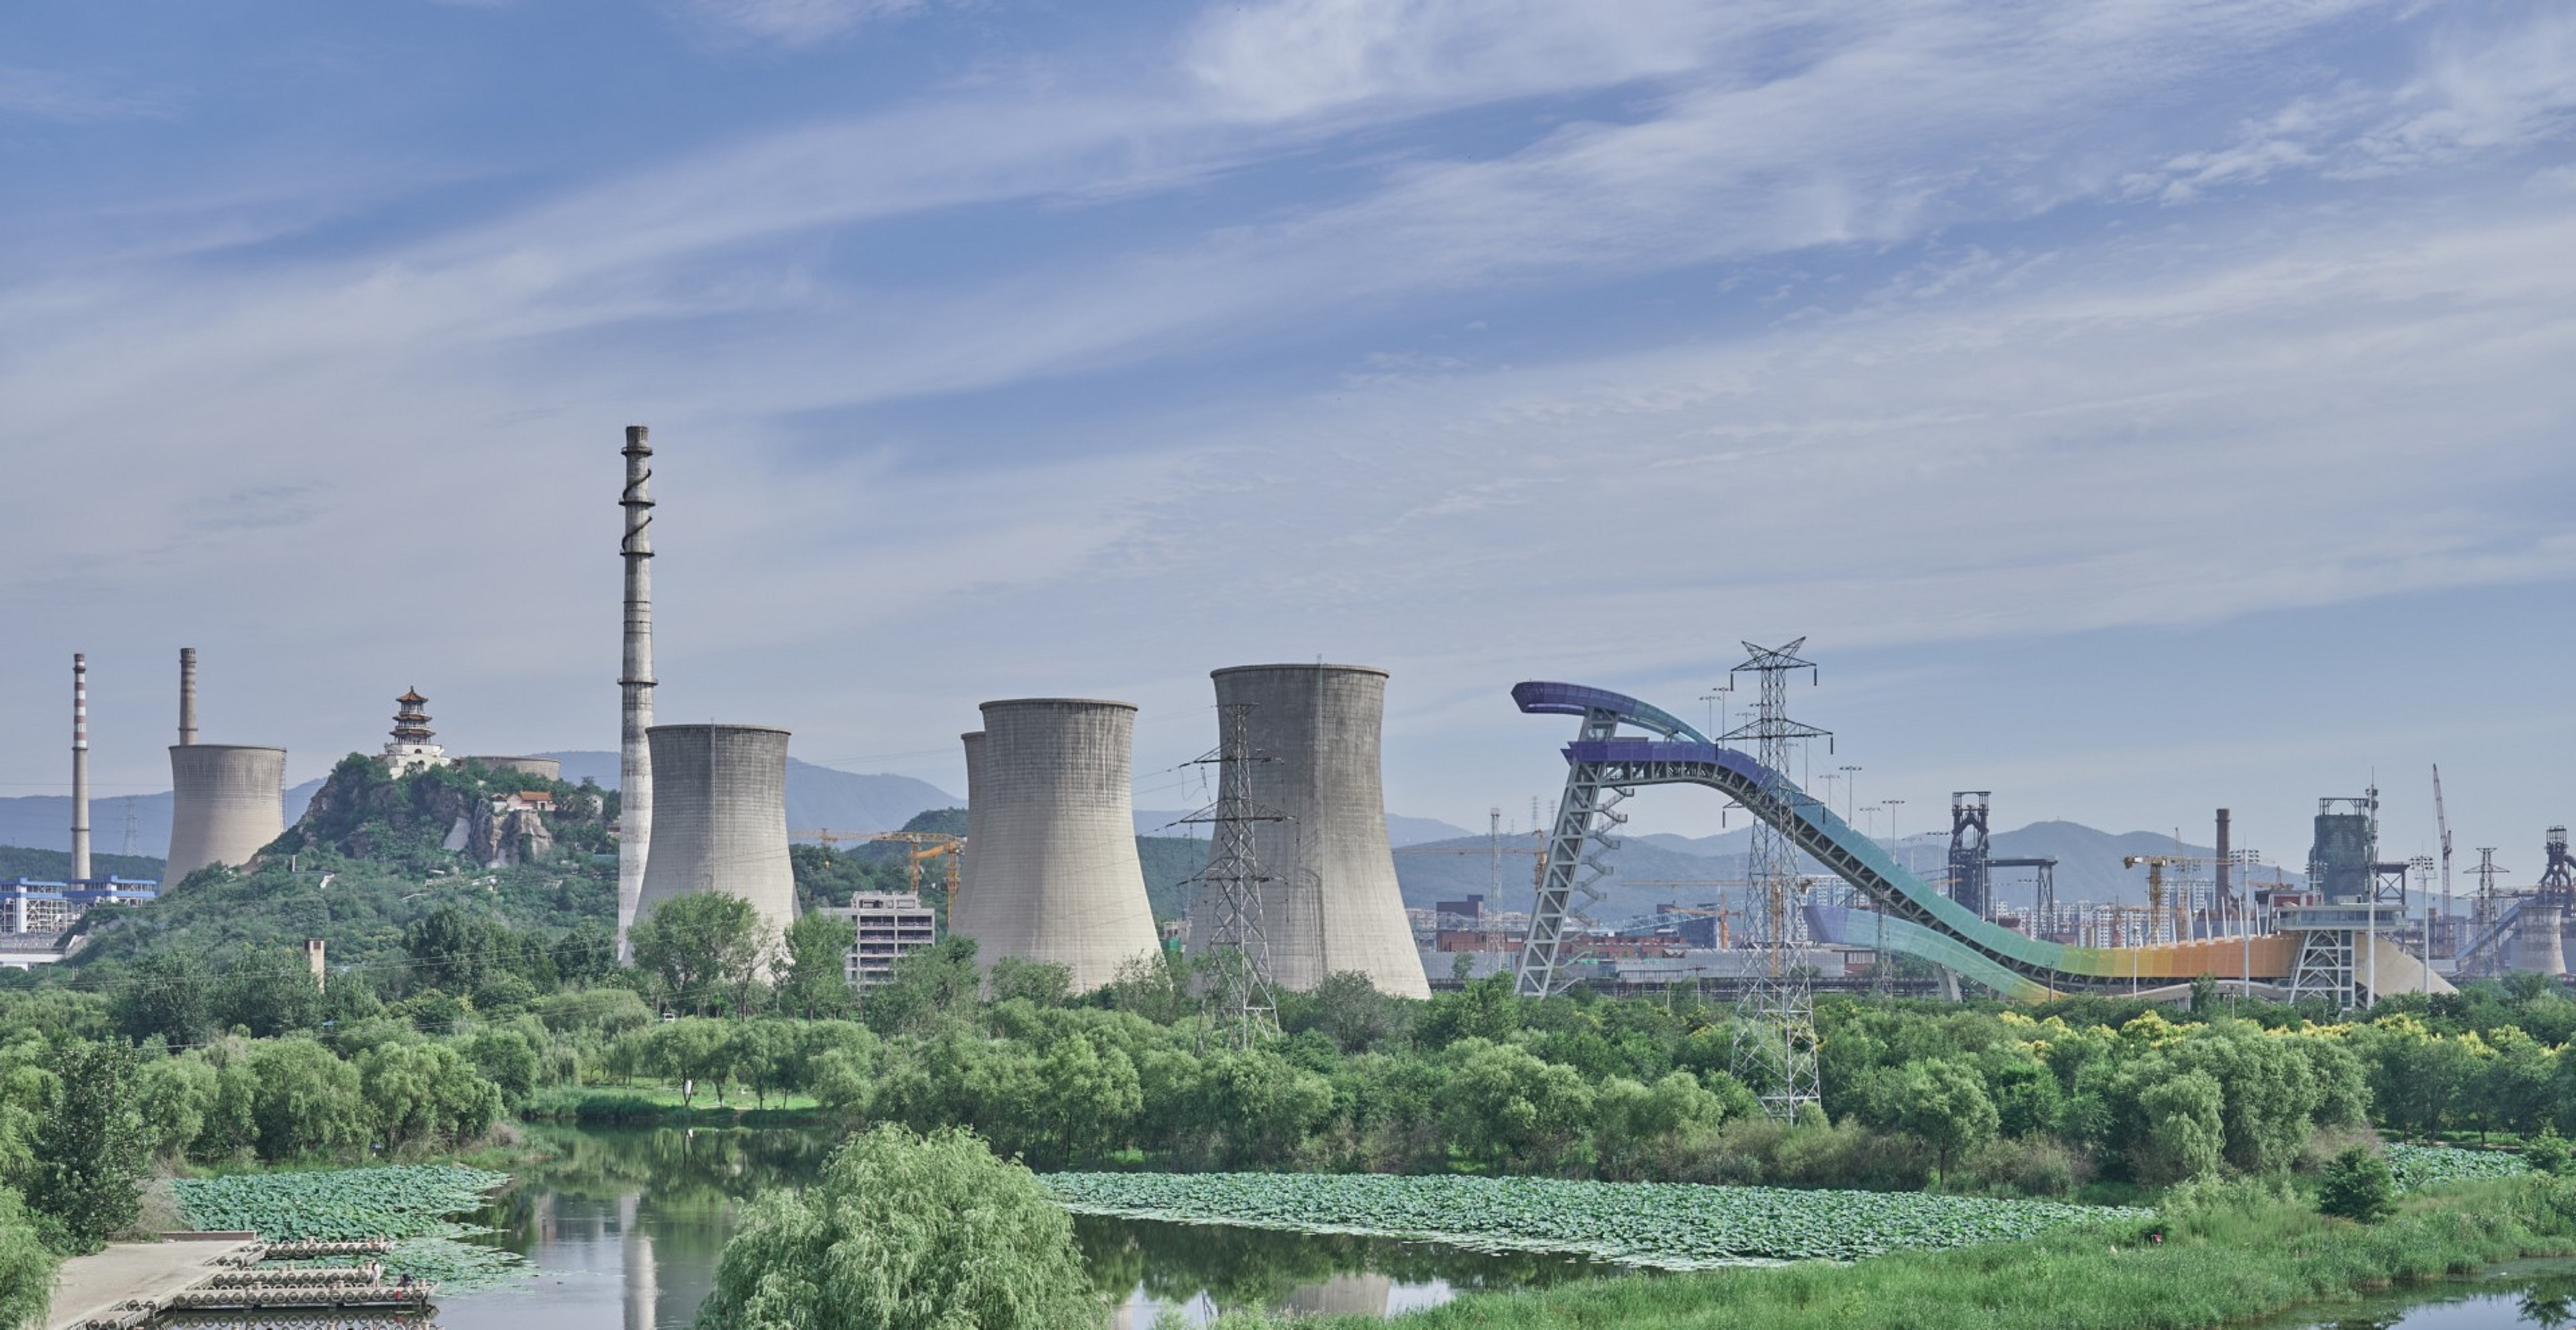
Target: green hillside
pixel 55 865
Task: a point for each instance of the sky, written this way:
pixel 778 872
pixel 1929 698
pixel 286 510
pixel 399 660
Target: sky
pixel 2138 406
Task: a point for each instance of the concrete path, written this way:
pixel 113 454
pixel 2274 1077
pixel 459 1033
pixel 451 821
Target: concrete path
pixel 94 1287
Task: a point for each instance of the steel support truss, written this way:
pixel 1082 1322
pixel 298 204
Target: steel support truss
pixel 1584 817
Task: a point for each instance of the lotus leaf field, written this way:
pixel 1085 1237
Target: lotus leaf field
pixel 411 1204
pixel 1672 1226
pixel 2421 1165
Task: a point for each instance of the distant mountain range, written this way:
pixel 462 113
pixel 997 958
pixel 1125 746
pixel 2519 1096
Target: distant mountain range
pixel 2088 867
pixel 818 799
pixel 1400 830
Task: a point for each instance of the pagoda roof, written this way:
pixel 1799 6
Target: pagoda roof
pixel 411 698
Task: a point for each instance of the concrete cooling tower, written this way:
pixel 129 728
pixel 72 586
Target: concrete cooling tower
pixel 1053 831
pixel 1332 903
pixel 974 743
pixel 226 802
pixel 720 819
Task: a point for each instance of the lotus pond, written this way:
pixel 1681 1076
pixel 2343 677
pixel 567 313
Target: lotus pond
pixel 1671 1226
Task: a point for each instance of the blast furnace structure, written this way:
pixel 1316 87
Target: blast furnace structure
pixel 1051 831
pixel 1332 903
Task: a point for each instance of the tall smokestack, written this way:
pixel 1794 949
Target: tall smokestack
pixel 2226 901
pixel 187 695
pixel 635 687
pixel 80 767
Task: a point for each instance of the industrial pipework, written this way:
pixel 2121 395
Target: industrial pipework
pixel 1051 827
pixel 635 689
pixel 1331 902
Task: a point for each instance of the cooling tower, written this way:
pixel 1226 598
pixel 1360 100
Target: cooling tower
pixel 2537 943
pixel 226 802
pixel 966 858
pixel 1054 835
pixel 545 768
pixel 1332 902
pixel 720 819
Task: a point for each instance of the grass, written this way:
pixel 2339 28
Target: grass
pixel 2228 1255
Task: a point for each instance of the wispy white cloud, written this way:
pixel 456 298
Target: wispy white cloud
pixel 54 95
pixel 796 22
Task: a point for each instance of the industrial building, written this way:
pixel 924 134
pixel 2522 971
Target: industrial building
pixel 1051 837
pixel 722 823
pixel 227 801
pixel 1329 902
pixel 890 926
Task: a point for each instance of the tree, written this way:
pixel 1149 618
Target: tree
pixel 426 1093
pixel 164 994
pixel 454 951
pixel 906 1232
pixel 90 1147
pixel 813 969
pixel 1506 1108
pixel 2184 1134
pixel 699 945
pixel 26 1266
pixel 2358 1186
pixel 1944 1102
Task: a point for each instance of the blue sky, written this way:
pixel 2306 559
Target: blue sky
pixel 2140 405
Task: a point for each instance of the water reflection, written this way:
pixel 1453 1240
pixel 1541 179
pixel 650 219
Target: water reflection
pixel 1144 1266
pixel 2538 1294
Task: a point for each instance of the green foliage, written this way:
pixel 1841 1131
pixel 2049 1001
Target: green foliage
pixel 2357 1186
pixel 26 1267
pixel 1668 1226
pixel 703 949
pixel 1943 1102
pixel 905 1232
pixel 90 1145
pixel 2546 1152
pixel 2413 1166
pixel 426 1094
pixel 813 979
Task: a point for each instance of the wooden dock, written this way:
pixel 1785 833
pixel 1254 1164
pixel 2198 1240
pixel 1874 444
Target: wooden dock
pixel 130 1283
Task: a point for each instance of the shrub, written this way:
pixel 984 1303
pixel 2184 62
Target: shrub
pixel 2358 1186
pixel 906 1232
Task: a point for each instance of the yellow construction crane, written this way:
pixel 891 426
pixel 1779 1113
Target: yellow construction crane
pixel 2156 864
pixel 926 845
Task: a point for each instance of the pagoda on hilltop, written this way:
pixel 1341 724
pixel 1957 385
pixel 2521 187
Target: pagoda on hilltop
pixel 414 746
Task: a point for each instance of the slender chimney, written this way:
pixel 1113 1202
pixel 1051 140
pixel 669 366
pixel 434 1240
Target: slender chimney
pixel 635 687
pixel 316 958
pixel 80 767
pixel 187 695
pixel 2226 900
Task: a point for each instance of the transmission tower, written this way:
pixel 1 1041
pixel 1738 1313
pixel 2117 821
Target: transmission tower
pixel 1237 950
pixel 1775 1039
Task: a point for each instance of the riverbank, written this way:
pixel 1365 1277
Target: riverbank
pixel 2225 1256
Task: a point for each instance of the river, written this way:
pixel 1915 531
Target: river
pixel 622 1229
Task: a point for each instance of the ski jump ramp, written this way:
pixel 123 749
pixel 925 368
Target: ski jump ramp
pixel 1920 921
